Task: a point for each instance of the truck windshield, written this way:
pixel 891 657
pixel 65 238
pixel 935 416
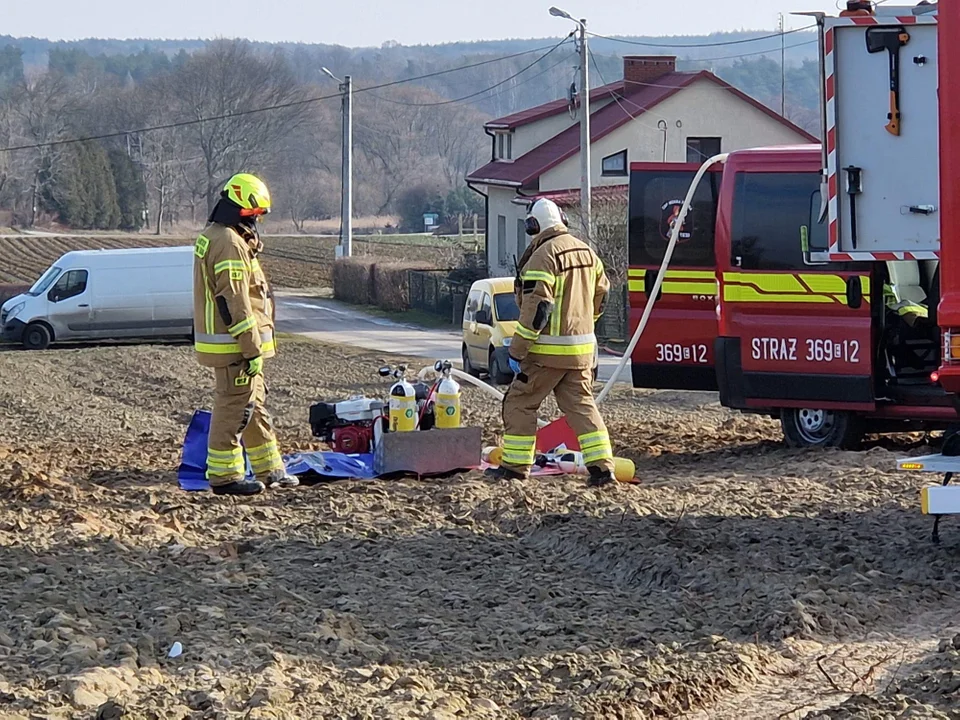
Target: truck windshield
pixel 44 283
pixel 507 310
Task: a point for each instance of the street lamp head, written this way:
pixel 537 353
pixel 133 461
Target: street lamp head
pixel 557 12
pixel 330 75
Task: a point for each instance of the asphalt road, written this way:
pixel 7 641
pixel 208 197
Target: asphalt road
pixel 336 323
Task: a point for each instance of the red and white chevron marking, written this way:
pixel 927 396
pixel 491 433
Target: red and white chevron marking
pixel 833 179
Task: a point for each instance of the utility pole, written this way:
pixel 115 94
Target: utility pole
pixel 346 210
pixel 783 72
pixel 345 248
pixel 585 202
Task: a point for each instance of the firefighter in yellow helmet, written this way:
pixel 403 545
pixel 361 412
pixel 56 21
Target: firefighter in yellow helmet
pixel 561 289
pixel 234 334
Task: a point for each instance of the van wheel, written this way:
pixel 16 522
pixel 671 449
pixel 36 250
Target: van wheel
pixel 37 336
pixel 468 367
pixel 813 427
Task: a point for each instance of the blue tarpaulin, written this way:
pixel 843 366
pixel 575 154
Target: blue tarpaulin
pixel 193 466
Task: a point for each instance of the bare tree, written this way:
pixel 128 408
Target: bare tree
pixel 224 89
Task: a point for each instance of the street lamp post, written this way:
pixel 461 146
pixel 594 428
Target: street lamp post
pixel 346 180
pixel 585 200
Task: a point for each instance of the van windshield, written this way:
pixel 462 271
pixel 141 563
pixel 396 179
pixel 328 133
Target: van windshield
pixel 507 310
pixel 44 283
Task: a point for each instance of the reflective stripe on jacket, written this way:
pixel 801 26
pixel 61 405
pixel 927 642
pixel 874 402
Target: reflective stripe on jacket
pixel 559 270
pixel 903 308
pixel 233 306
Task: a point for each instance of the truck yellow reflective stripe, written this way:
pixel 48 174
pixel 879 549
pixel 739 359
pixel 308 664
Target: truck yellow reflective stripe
pixel 745 293
pixel 526 334
pixel 539 276
pixel 678 287
pixel 229 265
pixel 690 274
pixel 242 326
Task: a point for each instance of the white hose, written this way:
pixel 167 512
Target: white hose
pixel 655 291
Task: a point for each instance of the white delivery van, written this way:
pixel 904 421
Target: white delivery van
pixel 138 293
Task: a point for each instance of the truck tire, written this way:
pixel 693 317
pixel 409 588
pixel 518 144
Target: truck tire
pixel 37 336
pixel 816 428
pixel 468 367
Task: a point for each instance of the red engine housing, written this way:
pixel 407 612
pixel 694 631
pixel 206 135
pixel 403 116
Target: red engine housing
pixel 352 439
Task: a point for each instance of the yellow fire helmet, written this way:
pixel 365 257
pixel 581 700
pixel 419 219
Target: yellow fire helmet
pixel 250 193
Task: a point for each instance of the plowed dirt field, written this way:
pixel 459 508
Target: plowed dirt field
pixel 739 580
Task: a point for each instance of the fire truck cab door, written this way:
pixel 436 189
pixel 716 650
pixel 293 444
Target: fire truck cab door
pixel 676 349
pixel 792 333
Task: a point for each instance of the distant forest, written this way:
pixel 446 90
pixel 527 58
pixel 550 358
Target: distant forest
pixel 414 142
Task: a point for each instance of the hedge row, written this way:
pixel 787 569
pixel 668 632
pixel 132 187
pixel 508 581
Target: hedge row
pixel 374 282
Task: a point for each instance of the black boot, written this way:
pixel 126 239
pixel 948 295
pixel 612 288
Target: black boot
pixel 600 477
pixel 504 473
pixel 240 487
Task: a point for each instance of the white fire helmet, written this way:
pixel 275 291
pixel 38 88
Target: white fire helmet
pixel 543 215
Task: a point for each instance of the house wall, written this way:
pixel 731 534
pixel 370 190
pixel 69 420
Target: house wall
pixel 528 137
pixel 500 253
pixel 704 109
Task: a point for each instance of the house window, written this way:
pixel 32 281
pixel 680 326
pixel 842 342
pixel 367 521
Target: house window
pixel 521 237
pixel 701 149
pixel 502 240
pixel 505 146
pixel 615 165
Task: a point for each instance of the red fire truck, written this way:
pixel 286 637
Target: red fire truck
pixel 785 288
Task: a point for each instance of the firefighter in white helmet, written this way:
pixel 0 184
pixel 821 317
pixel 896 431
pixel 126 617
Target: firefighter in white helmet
pixel 233 331
pixel 561 289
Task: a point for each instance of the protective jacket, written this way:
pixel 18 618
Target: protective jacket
pixel 233 307
pixel 910 312
pixel 561 289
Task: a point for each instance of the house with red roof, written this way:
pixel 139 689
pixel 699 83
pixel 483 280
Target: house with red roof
pixel 654 114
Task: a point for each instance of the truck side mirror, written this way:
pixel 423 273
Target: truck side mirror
pixel 854 292
pixel 484 317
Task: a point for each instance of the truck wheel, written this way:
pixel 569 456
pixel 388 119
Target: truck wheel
pixel 468 367
pixel 37 336
pixel 813 427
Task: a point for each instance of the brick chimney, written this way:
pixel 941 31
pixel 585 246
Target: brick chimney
pixel 642 69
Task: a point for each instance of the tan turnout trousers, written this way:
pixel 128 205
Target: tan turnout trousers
pixel 574 392
pixel 239 415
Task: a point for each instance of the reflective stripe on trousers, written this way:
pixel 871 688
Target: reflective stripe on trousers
pixel 519 450
pixel 595 447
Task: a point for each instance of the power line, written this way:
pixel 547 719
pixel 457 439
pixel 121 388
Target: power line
pixel 270 108
pixel 752 54
pixel 492 87
pixel 698 45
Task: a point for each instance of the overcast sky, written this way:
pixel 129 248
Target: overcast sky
pixel 372 22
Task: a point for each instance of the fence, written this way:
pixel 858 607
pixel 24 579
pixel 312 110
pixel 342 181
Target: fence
pixel 436 293
pixel 615 324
